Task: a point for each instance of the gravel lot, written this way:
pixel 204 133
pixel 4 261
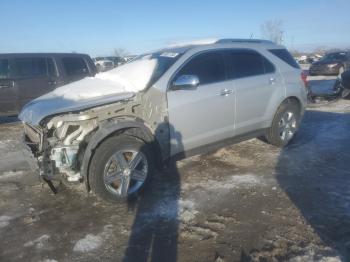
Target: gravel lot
pixel 245 202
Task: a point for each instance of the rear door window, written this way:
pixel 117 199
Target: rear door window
pixel 245 63
pixel 284 55
pixel 4 68
pixel 29 67
pixel 75 66
pixel 209 67
pixel 268 66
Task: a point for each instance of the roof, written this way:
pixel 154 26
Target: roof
pixel 41 54
pixel 183 47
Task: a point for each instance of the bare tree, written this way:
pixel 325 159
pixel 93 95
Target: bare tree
pixel 121 52
pixel 273 30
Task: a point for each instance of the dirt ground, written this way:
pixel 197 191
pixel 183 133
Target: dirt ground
pixel 245 202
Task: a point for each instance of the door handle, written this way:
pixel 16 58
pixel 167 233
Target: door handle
pixel 226 92
pixel 9 85
pixel 272 81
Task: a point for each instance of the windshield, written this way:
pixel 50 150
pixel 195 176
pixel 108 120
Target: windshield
pixel 143 71
pixel 335 56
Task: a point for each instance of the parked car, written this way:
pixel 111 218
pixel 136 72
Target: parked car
pixel 331 64
pixel 161 106
pixel 129 58
pixel 24 77
pixel 342 85
pixel 117 61
pixel 102 64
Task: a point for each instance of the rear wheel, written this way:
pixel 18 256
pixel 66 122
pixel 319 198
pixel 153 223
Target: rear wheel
pixel 120 168
pixel 284 125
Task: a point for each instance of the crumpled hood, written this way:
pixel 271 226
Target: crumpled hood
pixel 47 105
pixel 105 88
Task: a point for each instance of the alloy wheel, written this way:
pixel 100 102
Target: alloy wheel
pixel 125 172
pixel 287 126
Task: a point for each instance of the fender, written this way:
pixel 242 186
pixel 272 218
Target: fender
pixel 107 128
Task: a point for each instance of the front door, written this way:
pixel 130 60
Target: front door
pixel 205 114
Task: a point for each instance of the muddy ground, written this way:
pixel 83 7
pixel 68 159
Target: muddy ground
pixel 245 202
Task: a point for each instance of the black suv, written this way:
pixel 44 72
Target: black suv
pixel 331 64
pixel 24 77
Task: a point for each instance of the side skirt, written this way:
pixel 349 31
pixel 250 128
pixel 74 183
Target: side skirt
pixel 217 145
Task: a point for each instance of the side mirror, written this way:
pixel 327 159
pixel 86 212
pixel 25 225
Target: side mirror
pixel 188 82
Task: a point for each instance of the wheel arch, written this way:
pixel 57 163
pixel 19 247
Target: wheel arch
pixel 293 99
pixel 289 99
pixel 132 127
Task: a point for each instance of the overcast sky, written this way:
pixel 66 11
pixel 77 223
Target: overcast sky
pixel 97 27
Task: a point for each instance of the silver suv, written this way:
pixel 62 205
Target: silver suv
pixel 111 130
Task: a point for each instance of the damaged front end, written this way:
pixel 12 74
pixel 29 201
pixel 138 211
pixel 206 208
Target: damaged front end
pixel 57 146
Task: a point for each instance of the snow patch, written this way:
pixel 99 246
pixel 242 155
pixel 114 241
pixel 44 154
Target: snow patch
pixel 311 257
pixel 11 174
pixel 39 243
pixel 207 41
pixel 5 221
pixel 131 77
pixel 91 242
pixel 230 182
pixel 186 209
pixel 171 209
pixel 5 143
pixel 88 243
pixel 188 216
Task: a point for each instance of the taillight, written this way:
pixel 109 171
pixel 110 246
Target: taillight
pixel 304 77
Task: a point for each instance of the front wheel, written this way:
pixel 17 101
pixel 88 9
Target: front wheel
pixel 120 168
pixel 284 125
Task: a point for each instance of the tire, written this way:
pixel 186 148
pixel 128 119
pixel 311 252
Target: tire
pixel 287 115
pixel 120 168
pixel 345 94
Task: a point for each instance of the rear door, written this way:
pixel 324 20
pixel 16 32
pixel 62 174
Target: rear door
pixel 8 90
pixel 256 79
pixel 31 78
pixel 205 114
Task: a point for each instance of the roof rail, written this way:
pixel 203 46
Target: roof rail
pixel 228 40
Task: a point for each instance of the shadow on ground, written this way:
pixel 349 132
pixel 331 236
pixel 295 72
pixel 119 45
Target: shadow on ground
pixel 314 172
pixel 154 234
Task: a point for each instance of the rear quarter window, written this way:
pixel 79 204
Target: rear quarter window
pixel 75 66
pixel 285 56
